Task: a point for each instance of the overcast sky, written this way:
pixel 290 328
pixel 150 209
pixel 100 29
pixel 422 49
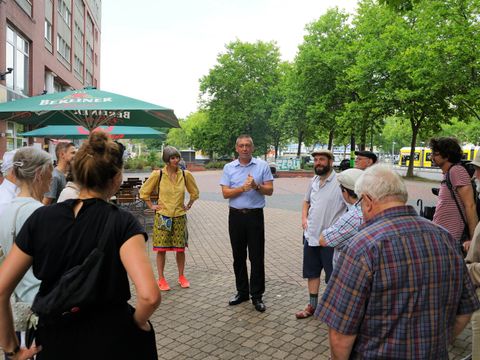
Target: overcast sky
pixel 157 50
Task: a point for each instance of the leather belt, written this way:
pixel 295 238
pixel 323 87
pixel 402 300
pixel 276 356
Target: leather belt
pixel 245 211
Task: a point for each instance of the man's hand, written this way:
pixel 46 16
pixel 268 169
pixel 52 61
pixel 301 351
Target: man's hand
pixel 466 245
pixel 304 223
pixel 248 184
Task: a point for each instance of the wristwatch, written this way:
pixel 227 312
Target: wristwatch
pixel 258 187
pixel 12 353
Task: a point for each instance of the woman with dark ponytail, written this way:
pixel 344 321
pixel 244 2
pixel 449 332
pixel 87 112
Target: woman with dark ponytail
pixel 56 238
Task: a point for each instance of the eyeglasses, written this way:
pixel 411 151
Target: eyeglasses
pixel 358 201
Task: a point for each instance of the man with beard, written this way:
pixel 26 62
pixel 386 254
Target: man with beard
pixel 322 206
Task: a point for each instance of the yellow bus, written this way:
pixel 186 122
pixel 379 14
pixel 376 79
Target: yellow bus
pixel 418 156
pixel 423 155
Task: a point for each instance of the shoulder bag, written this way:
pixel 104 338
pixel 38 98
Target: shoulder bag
pixel 77 288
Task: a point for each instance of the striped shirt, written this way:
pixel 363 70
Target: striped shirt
pixel 398 286
pixel 446 212
pixel 345 228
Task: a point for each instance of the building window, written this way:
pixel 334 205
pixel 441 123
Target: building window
pixel 18 58
pixel 63 48
pixel 78 66
pixel 78 33
pixel 48 31
pixel 88 78
pixel 13 140
pixel 89 26
pixel 89 51
pixel 26 5
pixel 64 12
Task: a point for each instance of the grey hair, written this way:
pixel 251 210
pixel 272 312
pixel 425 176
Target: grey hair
pixel 28 160
pixel 380 182
pixel 168 152
pixel 244 136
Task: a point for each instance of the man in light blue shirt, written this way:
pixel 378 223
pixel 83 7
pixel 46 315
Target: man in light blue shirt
pixel 245 183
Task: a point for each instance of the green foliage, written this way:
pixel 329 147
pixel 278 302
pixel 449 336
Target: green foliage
pixel 153 159
pixel 238 93
pixel 215 165
pixel 322 62
pixel 397 71
pixel 149 161
pixel 468 132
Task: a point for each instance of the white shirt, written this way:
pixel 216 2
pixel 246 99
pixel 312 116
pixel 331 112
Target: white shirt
pixel 70 191
pixel 28 287
pixel 8 191
pixel 326 206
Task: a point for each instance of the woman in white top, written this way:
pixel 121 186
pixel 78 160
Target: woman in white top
pixel 32 168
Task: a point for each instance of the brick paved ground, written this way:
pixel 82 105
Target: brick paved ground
pixel 197 323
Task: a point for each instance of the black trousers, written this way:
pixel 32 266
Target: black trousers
pixel 247 232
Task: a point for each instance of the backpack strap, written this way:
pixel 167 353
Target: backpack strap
pixel 452 191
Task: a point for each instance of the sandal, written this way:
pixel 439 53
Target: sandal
pixel 309 310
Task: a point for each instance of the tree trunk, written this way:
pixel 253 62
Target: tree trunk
pixel 415 126
pixel 352 150
pixel 300 140
pixel 330 140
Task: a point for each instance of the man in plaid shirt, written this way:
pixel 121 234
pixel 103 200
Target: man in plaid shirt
pixel 401 289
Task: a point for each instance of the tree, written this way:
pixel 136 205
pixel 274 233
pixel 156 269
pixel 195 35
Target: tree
pixel 322 60
pixel 410 63
pixel 177 137
pixel 293 111
pixel 237 93
pixel 278 129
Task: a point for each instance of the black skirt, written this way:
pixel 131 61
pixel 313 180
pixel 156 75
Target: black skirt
pixel 105 333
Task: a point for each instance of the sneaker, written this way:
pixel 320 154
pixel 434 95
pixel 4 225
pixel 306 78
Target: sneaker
pixel 163 284
pixel 184 283
pixel 309 310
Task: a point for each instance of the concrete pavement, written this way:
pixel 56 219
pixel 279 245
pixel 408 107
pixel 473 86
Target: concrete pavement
pixel 197 323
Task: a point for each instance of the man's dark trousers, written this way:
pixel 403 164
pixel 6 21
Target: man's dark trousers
pixel 247 231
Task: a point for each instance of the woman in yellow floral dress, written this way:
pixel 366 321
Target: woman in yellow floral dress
pixel 170 231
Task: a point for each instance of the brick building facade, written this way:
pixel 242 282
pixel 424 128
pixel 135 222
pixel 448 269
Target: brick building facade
pixel 52 46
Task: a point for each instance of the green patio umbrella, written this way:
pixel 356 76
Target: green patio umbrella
pixel 79 132
pixel 89 108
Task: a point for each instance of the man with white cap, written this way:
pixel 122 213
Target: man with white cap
pixel 322 206
pixel 347 225
pixel 8 188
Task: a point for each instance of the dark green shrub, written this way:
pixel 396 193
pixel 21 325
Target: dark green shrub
pixel 215 165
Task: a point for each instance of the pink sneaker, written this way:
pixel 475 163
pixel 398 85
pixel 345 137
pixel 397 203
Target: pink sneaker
pixel 184 283
pixel 163 284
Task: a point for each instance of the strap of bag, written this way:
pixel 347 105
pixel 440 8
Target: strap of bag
pixel 160 179
pixel 450 187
